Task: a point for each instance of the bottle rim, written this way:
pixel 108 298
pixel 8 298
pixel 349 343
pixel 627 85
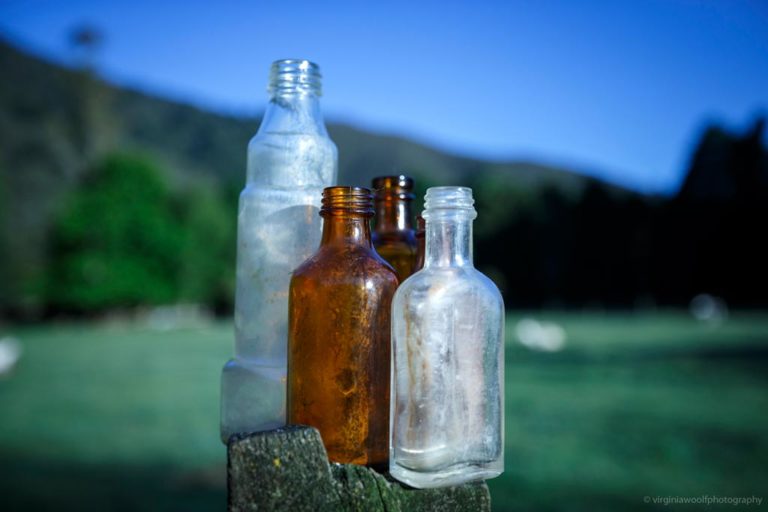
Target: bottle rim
pixel 449 201
pixel 397 186
pixel 347 199
pixel 294 76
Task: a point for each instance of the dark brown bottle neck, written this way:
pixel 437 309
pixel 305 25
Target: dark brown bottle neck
pixel 392 214
pixel 346 229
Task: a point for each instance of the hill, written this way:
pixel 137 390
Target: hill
pixel 56 121
pixel 63 104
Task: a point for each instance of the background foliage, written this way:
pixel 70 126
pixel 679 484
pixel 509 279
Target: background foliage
pixel 103 230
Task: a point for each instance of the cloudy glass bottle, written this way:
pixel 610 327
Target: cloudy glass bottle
pixel 447 409
pixel 290 160
pixel 393 235
pixel 339 335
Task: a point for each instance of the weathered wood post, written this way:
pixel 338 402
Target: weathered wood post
pixel 288 469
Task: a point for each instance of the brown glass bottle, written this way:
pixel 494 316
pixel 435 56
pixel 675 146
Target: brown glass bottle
pixel 393 234
pixel 421 229
pixel 339 334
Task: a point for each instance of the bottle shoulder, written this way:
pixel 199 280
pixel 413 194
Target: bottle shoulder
pixel 340 263
pixel 286 160
pixel 399 238
pixel 279 140
pixel 464 280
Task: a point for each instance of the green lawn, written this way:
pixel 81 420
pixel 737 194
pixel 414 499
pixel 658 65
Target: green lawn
pixel 98 418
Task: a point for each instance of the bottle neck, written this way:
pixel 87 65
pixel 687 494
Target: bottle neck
pixel 294 113
pixel 346 213
pixel 294 105
pixel 346 229
pixel 393 214
pixel 448 243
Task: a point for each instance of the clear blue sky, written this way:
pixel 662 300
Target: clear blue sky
pixel 619 89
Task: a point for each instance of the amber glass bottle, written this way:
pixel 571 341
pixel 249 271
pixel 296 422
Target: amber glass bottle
pixel 393 234
pixel 421 229
pixel 339 334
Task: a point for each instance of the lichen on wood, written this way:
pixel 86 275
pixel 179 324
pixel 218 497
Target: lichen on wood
pixel 288 469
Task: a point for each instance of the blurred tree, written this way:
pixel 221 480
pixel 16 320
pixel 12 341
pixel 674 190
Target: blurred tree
pixel 96 128
pixel 500 201
pixel 86 40
pixel 207 252
pixel 709 237
pixel 117 241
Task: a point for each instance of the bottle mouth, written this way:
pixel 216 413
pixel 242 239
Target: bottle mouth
pixel 449 201
pixel 341 199
pixel 294 76
pixel 400 186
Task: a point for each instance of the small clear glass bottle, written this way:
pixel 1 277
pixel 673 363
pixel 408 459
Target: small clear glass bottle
pixel 339 335
pixel 290 160
pixel 447 405
pixel 393 235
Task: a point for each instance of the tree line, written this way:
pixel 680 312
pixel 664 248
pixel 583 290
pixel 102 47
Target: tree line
pixel 125 237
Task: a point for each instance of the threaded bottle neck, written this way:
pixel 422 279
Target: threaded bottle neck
pixel 346 213
pixel 347 200
pixel 392 199
pixel 292 77
pixel 393 187
pixel 449 202
pixel 448 212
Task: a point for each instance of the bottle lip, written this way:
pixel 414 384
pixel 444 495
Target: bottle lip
pixel 399 186
pixel 440 202
pixel 347 200
pixel 294 76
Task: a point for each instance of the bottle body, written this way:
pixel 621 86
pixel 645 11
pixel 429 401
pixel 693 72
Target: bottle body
pixel 290 160
pixel 339 342
pixel 448 363
pixel 393 234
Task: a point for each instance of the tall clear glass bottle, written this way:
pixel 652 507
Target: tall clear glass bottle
pixel 393 235
pixel 339 334
pixel 290 160
pixel 447 405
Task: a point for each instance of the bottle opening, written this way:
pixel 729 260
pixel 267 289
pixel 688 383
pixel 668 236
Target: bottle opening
pixel 449 200
pixel 355 200
pixel 294 76
pixel 400 186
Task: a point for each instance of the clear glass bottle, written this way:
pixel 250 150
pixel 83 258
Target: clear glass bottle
pixel 290 160
pixel 339 335
pixel 447 405
pixel 393 235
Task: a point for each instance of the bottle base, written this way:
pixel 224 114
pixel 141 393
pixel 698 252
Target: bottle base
pixel 453 475
pixel 252 398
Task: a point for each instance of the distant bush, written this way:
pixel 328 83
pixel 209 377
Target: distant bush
pixel 206 269
pixel 124 239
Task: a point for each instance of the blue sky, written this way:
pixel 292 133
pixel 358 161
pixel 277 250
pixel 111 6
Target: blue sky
pixel 616 89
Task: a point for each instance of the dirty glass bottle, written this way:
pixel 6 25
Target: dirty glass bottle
pixel 393 235
pixel 290 160
pixel 448 357
pixel 339 334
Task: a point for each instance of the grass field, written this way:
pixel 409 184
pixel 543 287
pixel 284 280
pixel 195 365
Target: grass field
pixel 97 418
